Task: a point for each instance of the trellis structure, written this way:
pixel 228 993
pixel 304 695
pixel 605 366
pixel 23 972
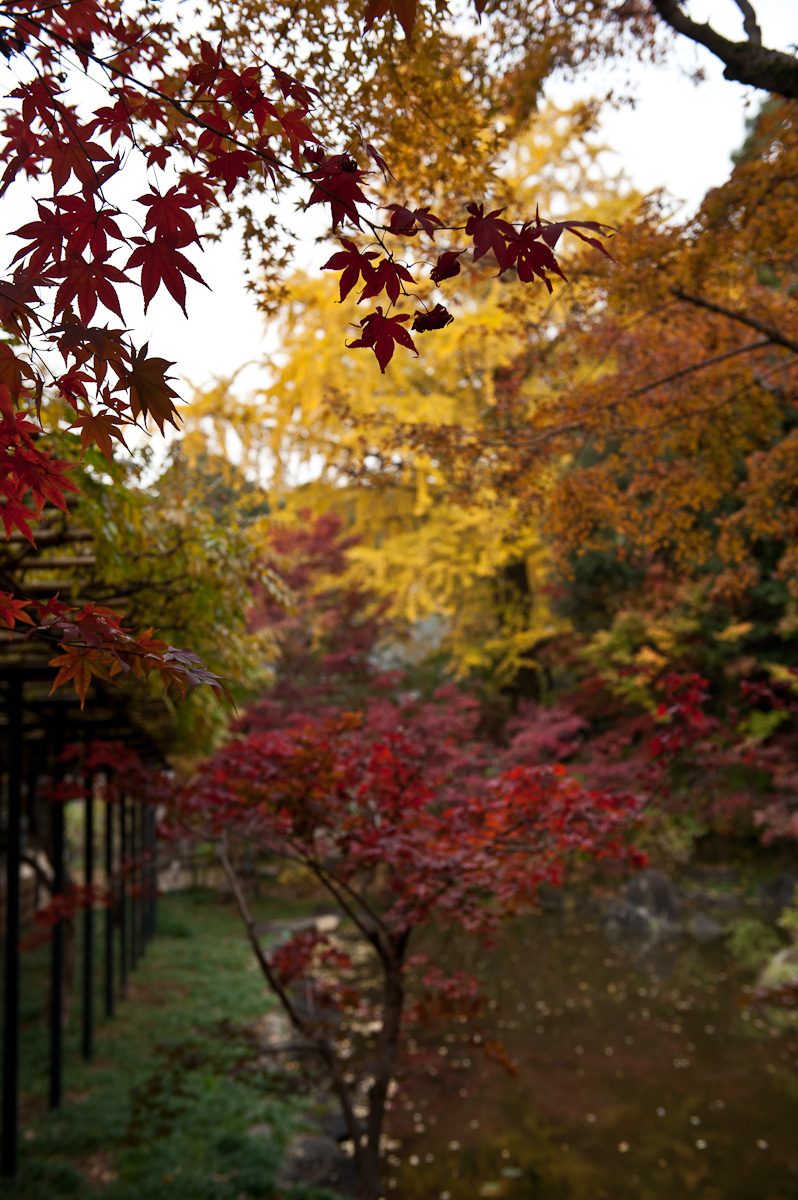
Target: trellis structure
pixel 36 729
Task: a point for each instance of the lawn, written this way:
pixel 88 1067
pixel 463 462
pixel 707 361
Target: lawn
pixel 175 1104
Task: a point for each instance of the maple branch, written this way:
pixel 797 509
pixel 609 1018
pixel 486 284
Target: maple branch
pixel 771 333
pixel 338 887
pixel 66 117
pixel 180 107
pixel 263 961
pixel 547 435
pixel 746 62
pixel 112 69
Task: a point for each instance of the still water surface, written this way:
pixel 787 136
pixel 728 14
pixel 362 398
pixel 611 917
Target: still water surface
pixel 641 1074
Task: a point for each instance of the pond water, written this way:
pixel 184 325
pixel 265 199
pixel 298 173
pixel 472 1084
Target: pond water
pixel 641 1074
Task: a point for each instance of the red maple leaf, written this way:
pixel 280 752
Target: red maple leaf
pixel 88 227
pixel 408 221
pixel 81 340
pixel 337 183
pixel 78 664
pixel 197 185
pixel 534 258
pixel 437 318
pixel 304 95
pixel 553 230
pixel 13 371
pixel 490 233
pixel 231 166
pixel 296 130
pixel 52 611
pixel 36 471
pixel 169 217
pixel 114 119
pixel 353 263
pixel 46 238
pixel 16 163
pixel 447 266
pixel 162 263
pixel 89 283
pixel 16 515
pixel 70 153
pixel 381 333
pixel 13 609
pixel 388 277
pixel 403 10
pixel 100 428
pixel 378 159
pixel 18 298
pixel 72 385
pixel 150 393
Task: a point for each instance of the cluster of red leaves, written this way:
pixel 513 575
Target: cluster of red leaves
pixel 683 714
pixel 696 751
pixel 113 765
pixel 28 472
pixel 527 249
pixel 93 643
pixel 415 816
pixel 687 745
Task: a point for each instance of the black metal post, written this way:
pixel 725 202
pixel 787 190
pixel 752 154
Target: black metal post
pixel 123 866
pixel 145 878
pixel 149 870
pixel 109 912
pixel 8 1135
pixel 57 964
pixel 134 921
pixel 142 880
pixel 154 818
pixel 32 814
pixel 153 906
pixel 88 927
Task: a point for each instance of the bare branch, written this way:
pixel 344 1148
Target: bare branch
pixel 321 1044
pixel 750 24
pixel 746 62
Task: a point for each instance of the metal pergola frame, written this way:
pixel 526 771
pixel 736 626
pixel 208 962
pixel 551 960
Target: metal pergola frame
pixel 35 728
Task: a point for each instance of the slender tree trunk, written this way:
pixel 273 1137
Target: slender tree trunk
pixel 369 1185
pixel 323 1046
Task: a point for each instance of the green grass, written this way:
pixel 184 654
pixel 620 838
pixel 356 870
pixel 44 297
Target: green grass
pixel 164 1108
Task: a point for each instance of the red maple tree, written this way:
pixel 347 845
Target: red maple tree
pixel 395 814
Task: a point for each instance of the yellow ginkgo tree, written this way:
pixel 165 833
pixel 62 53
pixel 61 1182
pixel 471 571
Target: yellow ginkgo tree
pixel 333 432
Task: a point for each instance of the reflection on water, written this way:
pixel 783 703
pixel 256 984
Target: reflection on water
pixel 640 1075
